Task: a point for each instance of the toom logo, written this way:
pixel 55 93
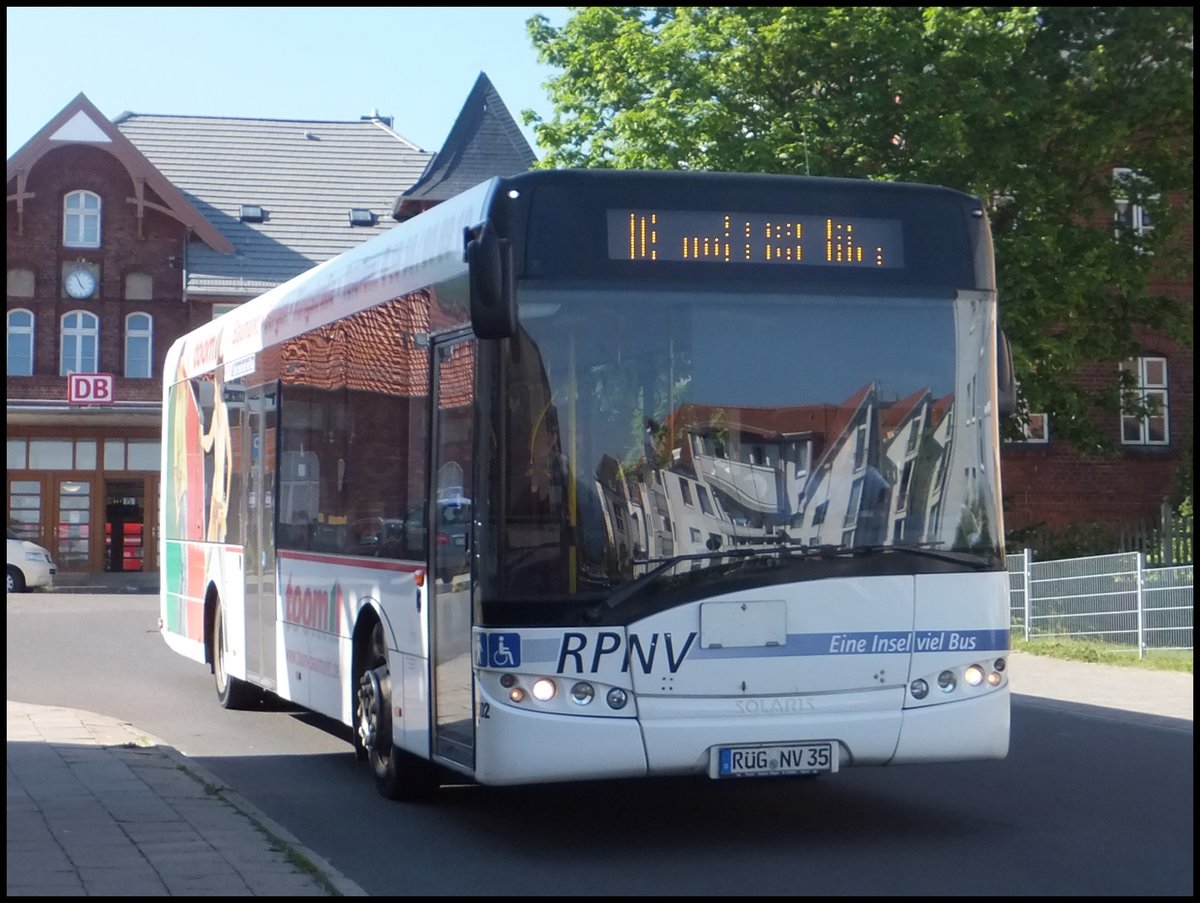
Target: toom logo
pixel 315 608
pixel 90 388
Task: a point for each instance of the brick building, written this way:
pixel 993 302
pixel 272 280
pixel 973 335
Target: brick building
pixel 123 235
pixel 1050 485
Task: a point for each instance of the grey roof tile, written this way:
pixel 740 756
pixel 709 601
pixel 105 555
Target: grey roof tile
pixel 306 174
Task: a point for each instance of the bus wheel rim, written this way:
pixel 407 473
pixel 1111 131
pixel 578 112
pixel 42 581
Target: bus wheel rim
pixel 369 695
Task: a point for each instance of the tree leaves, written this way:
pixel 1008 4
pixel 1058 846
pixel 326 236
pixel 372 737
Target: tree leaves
pixel 1030 108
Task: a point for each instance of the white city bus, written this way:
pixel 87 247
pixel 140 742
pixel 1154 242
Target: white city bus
pixel 604 474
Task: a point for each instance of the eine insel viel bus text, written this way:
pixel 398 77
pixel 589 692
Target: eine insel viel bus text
pixel 605 474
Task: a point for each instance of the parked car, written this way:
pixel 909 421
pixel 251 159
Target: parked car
pixel 452 536
pixel 378 536
pixel 29 565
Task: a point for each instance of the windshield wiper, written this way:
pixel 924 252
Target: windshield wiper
pixel 979 561
pixel 782 542
pixel 780 546
pixel 770 547
pixel 665 564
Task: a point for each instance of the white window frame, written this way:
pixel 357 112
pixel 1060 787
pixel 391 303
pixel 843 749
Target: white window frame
pixel 855 503
pixel 860 448
pixel 133 334
pixel 1134 217
pixel 78 360
pixel 1037 429
pixel 1152 388
pixel 76 213
pixel 26 332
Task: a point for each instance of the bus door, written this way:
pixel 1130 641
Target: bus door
pixel 450 517
pixel 259 451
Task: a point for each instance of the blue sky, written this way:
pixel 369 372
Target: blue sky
pixel 416 64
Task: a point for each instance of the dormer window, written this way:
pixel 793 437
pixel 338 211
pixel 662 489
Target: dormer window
pixel 81 220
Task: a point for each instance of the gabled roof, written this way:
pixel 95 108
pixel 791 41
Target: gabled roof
pixel 895 414
pixel 80 122
pixel 306 175
pixel 484 142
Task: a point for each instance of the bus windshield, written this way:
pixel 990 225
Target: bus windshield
pixel 703 440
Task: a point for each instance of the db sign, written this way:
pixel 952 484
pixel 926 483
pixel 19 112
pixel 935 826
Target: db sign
pixel 90 388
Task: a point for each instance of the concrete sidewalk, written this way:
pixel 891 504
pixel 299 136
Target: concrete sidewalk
pixel 1110 690
pixel 96 806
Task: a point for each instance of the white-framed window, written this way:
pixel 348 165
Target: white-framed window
pixel 80 342
pixel 139 345
pixel 686 491
pixel 1037 429
pixel 856 489
pixel 1034 431
pixel 1150 374
pixel 860 448
pixel 1130 191
pixel 20 342
pixel 81 219
pixel 904 486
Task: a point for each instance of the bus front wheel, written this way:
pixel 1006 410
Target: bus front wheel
pixel 399 775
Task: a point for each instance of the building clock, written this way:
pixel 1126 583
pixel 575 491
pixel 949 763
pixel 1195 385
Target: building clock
pixel 81 282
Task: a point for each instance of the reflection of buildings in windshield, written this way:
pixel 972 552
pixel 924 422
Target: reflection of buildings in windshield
pixel 857 473
pixel 677 432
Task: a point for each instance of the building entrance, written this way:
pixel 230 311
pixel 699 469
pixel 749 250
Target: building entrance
pixel 125 532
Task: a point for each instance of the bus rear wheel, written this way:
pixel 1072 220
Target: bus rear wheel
pixel 231 692
pixel 399 775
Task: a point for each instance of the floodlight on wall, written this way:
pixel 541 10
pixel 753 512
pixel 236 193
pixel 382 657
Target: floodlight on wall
pixel 252 213
pixel 361 216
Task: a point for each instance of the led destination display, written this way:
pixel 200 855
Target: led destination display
pixel 713 236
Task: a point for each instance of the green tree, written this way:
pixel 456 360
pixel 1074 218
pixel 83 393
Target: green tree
pixel 1030 108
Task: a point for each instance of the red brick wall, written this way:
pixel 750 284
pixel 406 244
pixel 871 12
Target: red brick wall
pixel 1056 485
pixel 158 253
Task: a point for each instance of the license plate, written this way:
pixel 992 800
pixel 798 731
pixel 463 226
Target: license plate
pixel 776 759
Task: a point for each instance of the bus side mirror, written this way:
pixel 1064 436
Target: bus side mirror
pixel 493 305
pixel 1006 381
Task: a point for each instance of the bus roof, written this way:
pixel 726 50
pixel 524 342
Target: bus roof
pixel 412 254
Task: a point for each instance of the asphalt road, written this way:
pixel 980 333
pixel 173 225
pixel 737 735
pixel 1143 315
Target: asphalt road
pixel 1089 801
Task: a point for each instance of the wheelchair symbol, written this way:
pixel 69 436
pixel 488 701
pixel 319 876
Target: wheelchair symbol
pixel 503 650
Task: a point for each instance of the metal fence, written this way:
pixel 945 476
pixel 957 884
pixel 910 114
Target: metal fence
pixel 1113 599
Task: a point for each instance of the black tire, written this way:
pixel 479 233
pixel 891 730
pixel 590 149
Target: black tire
pixel 16 580
pixel 399 775
pixel 232 693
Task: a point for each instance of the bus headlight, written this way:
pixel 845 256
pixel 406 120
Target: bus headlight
pixel 582 693
pixel 617 698
pixel 544 689
pixel 994 678
pixel 973 676
pixel 919 689
pixel 947 681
